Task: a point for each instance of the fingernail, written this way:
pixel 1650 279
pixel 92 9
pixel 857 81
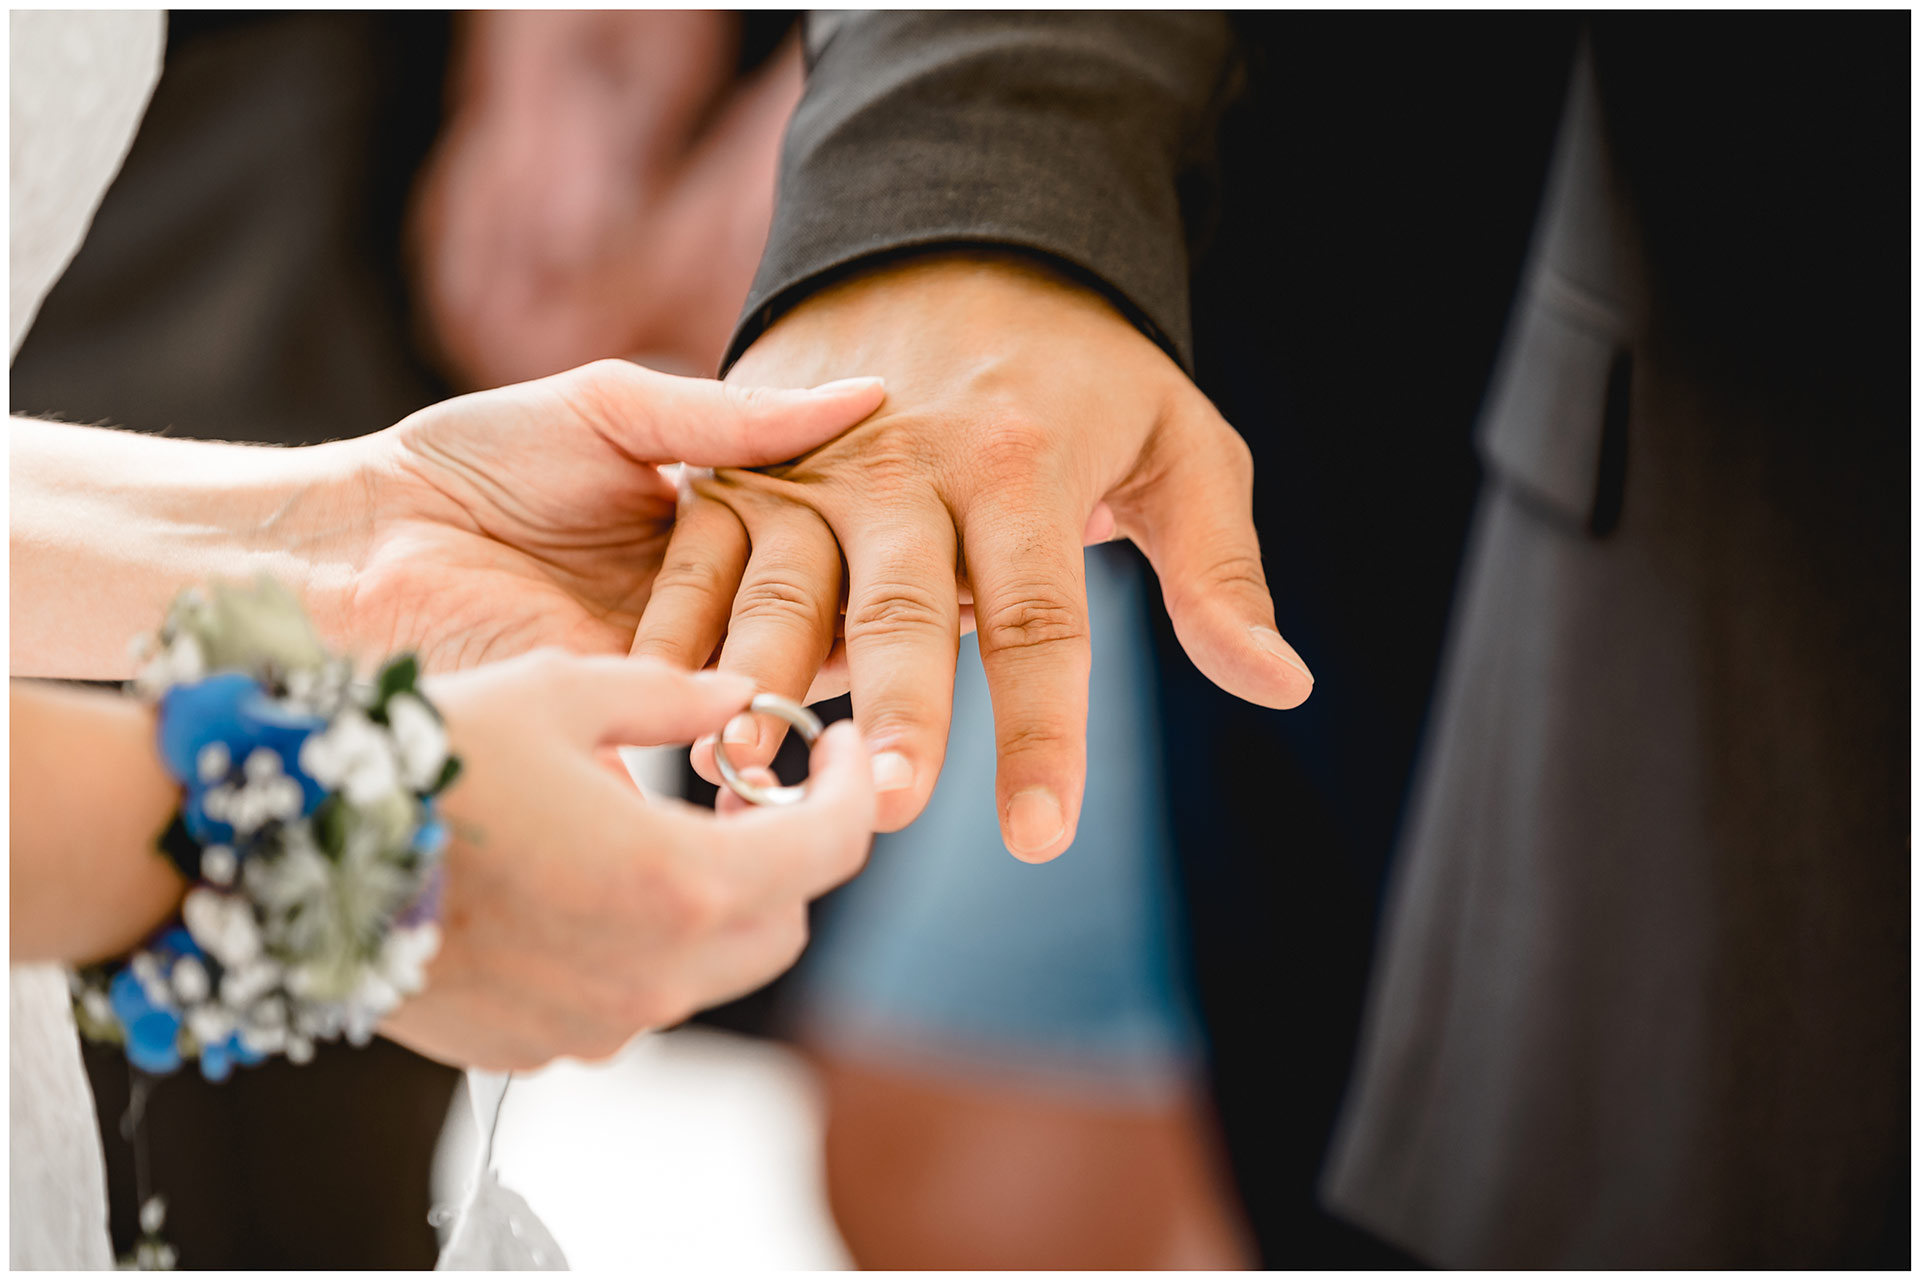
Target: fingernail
pixel 1034 821
pixel 741 731
pixel 1271 641
pixel 845 386
pixel 891 772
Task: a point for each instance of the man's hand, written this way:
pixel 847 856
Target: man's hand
pixel 536 514
pixel 575 914
pixel 1024 418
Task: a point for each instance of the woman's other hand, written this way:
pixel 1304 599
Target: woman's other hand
pixel 576 913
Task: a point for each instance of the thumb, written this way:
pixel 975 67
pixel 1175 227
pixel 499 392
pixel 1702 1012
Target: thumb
pixel 1193 518
pixel 658 417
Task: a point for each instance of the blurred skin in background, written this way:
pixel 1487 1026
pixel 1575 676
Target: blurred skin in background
pixel 603 187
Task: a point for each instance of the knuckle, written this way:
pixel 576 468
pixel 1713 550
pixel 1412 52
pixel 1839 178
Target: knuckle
pixel 778 598
pixel 1013 449
pixel 1236 453
pixel 750 398
pixel 695 905
pixel 790 937
pixel 896 608
pixel 687 570
pixel 1015 434
pixel 890 461
pixel 601 1047
pixel 1234 573
pixel 644 1007
pixel 1040 740
pixel 673 1004
pixel 597 387
pixel 850 856
pixel 1029 618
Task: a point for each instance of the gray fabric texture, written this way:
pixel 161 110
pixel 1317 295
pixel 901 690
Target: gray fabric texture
pixel 1642 1004
pixel 1039 132
pixel 1642 998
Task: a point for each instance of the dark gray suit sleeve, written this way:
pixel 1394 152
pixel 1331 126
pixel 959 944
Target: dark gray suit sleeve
pixel 1067 135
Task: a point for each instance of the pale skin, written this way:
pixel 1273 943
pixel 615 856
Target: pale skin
pixel 476 529
pixel 576 914
pixel 1025 417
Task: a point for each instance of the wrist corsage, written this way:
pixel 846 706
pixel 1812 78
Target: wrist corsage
pixel 307 832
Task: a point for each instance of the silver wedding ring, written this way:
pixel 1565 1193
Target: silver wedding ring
pixel 793 714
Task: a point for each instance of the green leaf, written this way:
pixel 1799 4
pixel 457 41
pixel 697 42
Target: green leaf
pixel 448 772
pixel 399 676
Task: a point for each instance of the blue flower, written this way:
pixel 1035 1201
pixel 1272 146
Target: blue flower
pixel 215 1064
pixel 230 709
pixel 217 1061
pixel 208 711
pixel 177 942
pixel 431 836
pixel 153 1034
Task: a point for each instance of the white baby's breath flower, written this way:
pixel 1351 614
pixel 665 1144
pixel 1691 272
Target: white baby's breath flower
pixel 98 1007
pixel 296 878
pixel 299 1050
pixel 353 757
pixel 213 762
pixel 218 864
pixel 210 1024
pixel 303 981
pixel 145 969
pixel 420 739
pixel 270 1012
pixel 190 981
pixel 374 994
pixel 186 660
pixel 263 1040
pixel 243 986
pixel 282 798
pixel 159 995
pixel 406 953
pixel 263 763
pixel 223 925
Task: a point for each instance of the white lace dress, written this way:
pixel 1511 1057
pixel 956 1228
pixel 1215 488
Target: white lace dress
pixel 79 82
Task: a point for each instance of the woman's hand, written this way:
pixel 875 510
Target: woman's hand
pixel 537 514
pixel 478 528
pixel 575 913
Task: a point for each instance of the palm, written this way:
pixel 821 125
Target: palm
pixel 486 552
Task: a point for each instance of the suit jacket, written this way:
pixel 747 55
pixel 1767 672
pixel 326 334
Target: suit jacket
pixel 1642 994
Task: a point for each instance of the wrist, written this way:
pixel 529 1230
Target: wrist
pixel 306 827
pixel 107 526
pixel 88 801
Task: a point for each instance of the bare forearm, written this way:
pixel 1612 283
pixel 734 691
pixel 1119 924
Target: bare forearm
pixel 106 526
pixel 89 797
